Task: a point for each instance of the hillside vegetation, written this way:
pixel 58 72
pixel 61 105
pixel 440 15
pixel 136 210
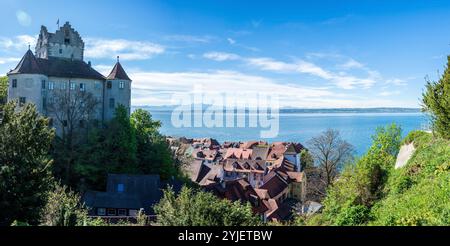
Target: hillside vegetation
pixel 371 192
pixel 419 193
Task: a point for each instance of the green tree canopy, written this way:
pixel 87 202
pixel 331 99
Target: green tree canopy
pixel 25 166
pixel 3 89
pixel 197 208
pixel 436 101
pixel 121 143
pixel 361 185
pixel 153 153
pixel 63 208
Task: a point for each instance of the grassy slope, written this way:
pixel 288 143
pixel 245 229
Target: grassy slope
pixel 418 193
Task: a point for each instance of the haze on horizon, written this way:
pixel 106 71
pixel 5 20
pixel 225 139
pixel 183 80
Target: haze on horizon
pixel 313 55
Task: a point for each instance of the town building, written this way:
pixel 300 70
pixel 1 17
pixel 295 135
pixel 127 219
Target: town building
pixel 126 195
pixel 269 176
pixel 56 68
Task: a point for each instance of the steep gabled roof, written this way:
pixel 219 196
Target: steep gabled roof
pixel 55 67
pixel 27 65
pixel 118 73
pixel 66 68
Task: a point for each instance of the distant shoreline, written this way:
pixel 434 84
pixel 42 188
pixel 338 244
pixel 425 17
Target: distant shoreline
pixel 306 110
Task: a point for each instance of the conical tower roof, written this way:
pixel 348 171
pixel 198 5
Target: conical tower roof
pixel 118 73
pixel 28 65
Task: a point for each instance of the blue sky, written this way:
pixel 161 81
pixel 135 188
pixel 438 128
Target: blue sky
pixel 317 54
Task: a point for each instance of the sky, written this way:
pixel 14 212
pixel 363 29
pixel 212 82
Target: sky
pixel 315 54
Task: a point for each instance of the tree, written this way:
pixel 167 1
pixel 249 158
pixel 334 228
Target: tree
pixel 361 184
pixel 436 101
pixel 3 89
pixel 120 140
pixel 73 110
pixel 197 208
pixel 64 208
pixel 307 160
pixel 153 153
pixel 330 152
pixel 25 166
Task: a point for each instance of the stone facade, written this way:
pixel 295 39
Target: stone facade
pixel 64 43
pixel 58 67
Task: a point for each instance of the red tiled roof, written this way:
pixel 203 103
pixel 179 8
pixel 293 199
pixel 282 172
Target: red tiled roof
pixel 118 73
pixel 274 184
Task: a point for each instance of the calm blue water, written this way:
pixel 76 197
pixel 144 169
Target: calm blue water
pixel 356 128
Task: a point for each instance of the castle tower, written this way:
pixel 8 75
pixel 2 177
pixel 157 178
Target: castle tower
pixel 117 91
pixel 64 43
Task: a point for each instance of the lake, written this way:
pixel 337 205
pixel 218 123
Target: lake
pixel 356 128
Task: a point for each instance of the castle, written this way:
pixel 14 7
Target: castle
pixel 58 67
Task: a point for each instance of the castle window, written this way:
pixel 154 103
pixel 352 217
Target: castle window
pixel 14 83
pixel 109 84
pixel 82 87
pixel 44 103
pixel 111 212
pixel 51 85
pixel 121 85
pixel 72 85
pixel 122 212
pixel 63 85
pixel 60 51
pixel 120 188
pixel 101 211
pixel 64 123
pixel 81 123
pixel 22 100
pixel 67 41
pixel 97 85
pixel 112 103
pixel 43 84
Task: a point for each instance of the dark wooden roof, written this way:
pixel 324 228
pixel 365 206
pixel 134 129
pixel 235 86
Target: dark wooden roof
pixel 27 65
pixel 56 67
pixel 118 73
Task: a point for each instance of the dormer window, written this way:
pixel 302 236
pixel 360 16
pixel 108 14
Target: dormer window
pixel 120 188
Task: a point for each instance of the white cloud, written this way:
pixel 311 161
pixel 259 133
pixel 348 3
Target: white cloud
pixel 189 38
pixel 351 64
pixel 103 69
pixel 341 80
pixel 256 23
pixel 17 43
pixel 397 81
pixel 157 88
pixel 4 60
pixel 389 93
pixel 231 41
pixel 126 49
pixel 23 18
pixel 221 56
